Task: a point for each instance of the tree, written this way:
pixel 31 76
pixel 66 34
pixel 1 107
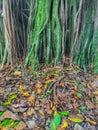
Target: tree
pixel 48 32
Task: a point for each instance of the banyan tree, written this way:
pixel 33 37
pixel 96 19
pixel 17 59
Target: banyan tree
pixel 49 32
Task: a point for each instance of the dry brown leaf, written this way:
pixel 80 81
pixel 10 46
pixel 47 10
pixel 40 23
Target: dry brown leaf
pixel 31 100
pixel 25 115
pixel 90 105
pixel 21 126
pixel 1 91
pixel 54 108
pixel 41 113
pixel 76 105
pixel 90 121
pixel 38 85
pixel 30 112
pixel 50 112
pixel 62 85
pixel 9 114
pixel 38 91
pixel 59 128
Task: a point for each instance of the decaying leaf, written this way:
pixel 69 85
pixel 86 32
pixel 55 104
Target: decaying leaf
pixel 31 100
pixel 20 126
pixel 90 121
pixel 38 91
pixel 30 112
pixel 90 105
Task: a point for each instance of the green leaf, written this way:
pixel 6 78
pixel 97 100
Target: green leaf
pixel 79 95
pixel 42 96
pixel 6 103
pixel 6 122
pixel 1 113
pixel 14 124
pixel 19 67
pixel 55 122
pixel 83 108
pixel 48 92
pixel 81 86
pixel 64 113
pixel 12 97
pixel 26 74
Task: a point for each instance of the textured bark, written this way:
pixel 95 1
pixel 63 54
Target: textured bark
pixel 9 32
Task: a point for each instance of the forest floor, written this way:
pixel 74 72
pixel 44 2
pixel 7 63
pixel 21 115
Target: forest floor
pixel 53 98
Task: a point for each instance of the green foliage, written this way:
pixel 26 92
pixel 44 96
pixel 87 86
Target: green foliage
pixel 64 113
pixel 55 122
pixel 51 30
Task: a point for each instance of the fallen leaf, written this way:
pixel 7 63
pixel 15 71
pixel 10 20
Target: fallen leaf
pixel 83 108
pixel 64 125
pixel 14 124
pixel 38 91
pixel 90 105
pixel 64 113
pixel 30 112
pixel 6 122
pixel 75 119
pixel 20 126
pixel 12 97
pixel 79 95
pixel 95 93
pixel 31 100
pixel 3 128
pixel 1 113
pixel 17 73
pixel 25 94
pixel 8 114
pixel 22 88
pixel 38 85
pixel 90 121
pixel 41 113
pixel 1 91
pixel 55 122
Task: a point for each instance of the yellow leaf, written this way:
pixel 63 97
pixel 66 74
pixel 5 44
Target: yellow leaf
pixel 3 128
pixel 75 119
pixel 48 81
pixel 64 125
pixel 21 88
pixel 55 113
pixel 25 94
pixel 17 73
pixel 96 93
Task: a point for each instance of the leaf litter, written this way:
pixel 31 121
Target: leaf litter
pixel 53 98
